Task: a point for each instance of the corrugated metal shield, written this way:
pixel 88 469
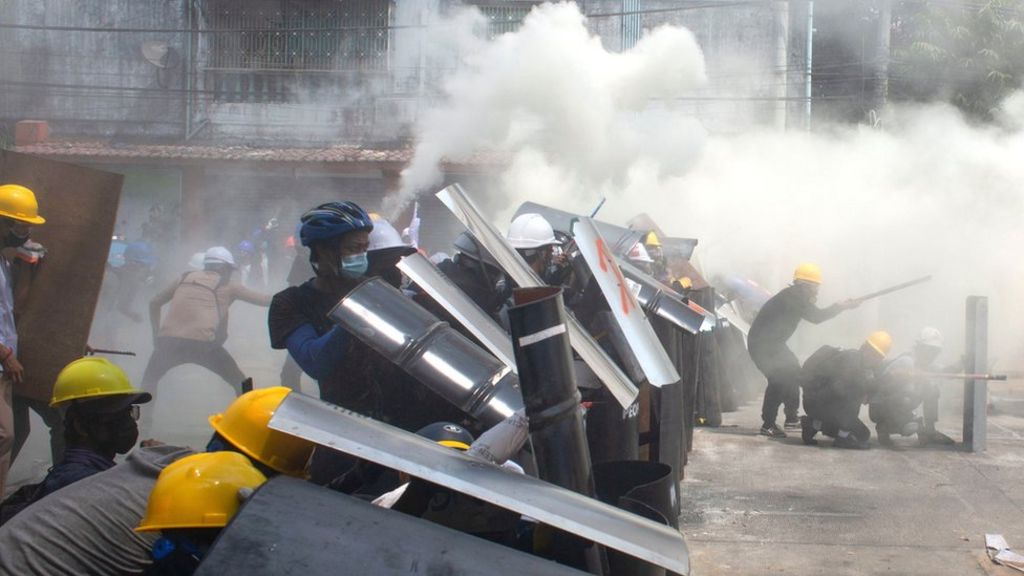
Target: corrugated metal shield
pixel 456 199
pixel 351 433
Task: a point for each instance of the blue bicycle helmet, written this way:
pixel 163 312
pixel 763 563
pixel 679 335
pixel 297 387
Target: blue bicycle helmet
pixel 331 220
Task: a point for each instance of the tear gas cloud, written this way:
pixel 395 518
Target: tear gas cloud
pixel 928 194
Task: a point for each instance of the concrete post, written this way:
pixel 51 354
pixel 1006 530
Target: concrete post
pixel 976 361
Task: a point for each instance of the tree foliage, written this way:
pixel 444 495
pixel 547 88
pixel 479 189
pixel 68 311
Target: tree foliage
pixel 969 52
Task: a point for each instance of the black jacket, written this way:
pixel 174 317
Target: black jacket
pixel 782 313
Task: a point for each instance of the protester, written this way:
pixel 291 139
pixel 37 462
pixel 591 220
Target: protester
pixel 836 383
pixel 19 211
pixel 192 501
pixel 772 328
pixel 101 409
pixel 196 326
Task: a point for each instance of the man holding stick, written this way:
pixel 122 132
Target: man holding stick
pixel 772 328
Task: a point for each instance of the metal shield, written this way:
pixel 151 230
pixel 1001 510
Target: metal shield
pixel 619 239
pixel 660 300
pixel 419 268
pixel 627 312
pixel 351 433
pixel 430 350
pixel 295 528
pixel 80 207
pixel 456 199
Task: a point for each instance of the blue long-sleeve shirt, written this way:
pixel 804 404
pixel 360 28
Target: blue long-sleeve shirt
pixel 317 355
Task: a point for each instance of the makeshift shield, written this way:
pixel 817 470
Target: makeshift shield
pixel 294 528
pixel 80 207
pixel 430 350
pixel 377 442
pixel 456 199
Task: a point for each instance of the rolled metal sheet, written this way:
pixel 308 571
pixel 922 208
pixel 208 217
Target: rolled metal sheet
pixel 294 528
pixel 619 239
pixel 660 300
pixel 419 268
pixel 430 350
pixel 649 352
pixel 647 489
pixel 456 199
pixel 552 400
pixel 339 429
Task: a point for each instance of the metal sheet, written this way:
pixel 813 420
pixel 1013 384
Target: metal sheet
pixel 456 199
pixel 429 350
pixel 662 301
pixel 80 207
pixel 340 429
pixel 294 528
pixel 419 268
pixel 619 239
pixel 638 332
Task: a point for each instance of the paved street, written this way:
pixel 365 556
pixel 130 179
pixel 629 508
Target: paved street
pixel 759 506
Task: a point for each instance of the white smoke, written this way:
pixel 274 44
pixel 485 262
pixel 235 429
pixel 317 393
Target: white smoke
pixel 929 194
pixel 554 99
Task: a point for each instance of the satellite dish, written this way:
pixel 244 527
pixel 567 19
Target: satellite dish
pixel 159 54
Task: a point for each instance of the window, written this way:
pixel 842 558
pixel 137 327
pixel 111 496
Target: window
pixel 274 50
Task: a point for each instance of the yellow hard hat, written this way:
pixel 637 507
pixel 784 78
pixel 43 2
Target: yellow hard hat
pixel 91 377
pixel 881 341
pixel 808 273
pixel 685 282
pixel 244 424
pixel 199 491
pixel 19 203
pixel 652 239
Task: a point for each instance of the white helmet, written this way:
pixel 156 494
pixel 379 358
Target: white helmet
pixel 196 261
pixel 930 337
pixel 531 231
pixel 218 255
pixel 639 254
pixel 384 235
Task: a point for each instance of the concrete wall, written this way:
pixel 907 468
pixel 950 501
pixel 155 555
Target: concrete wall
pixel 92 83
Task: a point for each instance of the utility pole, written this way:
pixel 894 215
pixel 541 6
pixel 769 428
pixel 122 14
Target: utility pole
pixel 780 14
pixel 880 91
pixel 809 65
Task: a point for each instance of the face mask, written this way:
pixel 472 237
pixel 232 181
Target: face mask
pixel 354 266
pixel 13 240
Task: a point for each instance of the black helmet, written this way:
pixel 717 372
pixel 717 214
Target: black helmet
pixel 469 247
pixel 447 434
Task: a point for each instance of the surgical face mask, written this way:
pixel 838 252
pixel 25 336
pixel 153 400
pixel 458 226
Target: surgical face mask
pixel 354 266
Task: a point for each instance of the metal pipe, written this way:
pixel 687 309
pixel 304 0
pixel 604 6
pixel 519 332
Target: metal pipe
pixel 430 350
pixel 540 340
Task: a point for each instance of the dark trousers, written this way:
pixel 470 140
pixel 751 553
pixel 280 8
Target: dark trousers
pixel 172 352
pixel 782 369
pixel 836 414
pixel 893 412
pixel 23 426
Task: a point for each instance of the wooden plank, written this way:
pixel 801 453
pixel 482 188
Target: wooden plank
pixel 80 207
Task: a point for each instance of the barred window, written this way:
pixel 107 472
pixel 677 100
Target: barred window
pixel 273 50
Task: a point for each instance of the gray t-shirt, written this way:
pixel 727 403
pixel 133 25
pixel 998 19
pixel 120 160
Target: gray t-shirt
pixel 87 527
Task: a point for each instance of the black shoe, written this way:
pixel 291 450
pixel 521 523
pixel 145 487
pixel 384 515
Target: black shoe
pixel 925 437
pixel 772 431
pixel 850 443
pixel 807 431
pixel 793 424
